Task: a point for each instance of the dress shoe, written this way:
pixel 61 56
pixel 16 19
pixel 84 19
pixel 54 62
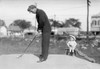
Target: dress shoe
pixel 41 60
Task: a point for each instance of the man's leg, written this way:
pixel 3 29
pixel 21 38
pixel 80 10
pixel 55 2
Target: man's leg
pixel 45 47
pixel 71 53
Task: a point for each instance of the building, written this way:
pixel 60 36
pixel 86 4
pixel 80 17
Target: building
pixel 30 30
pixel 95 24
pixel 3 31
pixel 67 30
pixel 15 31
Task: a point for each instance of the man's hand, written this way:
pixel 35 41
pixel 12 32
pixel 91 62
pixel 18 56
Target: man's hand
pixel 39 31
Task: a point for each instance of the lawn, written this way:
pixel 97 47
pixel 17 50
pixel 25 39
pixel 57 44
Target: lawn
pixel 18 45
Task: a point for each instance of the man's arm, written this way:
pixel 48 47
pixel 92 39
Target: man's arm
pixel 41 21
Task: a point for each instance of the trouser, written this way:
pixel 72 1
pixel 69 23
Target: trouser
pixel 45 44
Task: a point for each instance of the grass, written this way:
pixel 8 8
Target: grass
pixel 18 45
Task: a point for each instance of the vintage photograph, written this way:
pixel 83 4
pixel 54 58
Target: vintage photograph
pixel 49 34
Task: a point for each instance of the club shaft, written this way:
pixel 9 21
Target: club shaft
pixel 27 47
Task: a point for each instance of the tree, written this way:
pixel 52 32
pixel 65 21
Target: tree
pixel 55 23
pixel 73 22
pixel 78 24
pixel 23 24
pixel 2 23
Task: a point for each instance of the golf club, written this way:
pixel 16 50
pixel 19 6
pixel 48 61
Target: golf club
pixel 27 47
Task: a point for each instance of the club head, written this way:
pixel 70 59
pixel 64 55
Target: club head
pixel 19 56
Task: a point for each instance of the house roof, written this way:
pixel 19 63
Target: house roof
pixel 14 28
pixel 96 15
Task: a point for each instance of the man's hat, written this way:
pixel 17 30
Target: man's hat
pixel 32 6
pixel 72 37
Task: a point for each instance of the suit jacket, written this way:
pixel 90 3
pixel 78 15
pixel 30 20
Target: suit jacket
pixel 43 22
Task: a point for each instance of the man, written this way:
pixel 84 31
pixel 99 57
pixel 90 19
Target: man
pixel 44 27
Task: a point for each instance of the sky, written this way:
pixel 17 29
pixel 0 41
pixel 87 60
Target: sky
pixel 11 10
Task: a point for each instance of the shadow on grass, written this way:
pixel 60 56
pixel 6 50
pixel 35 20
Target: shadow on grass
pixel 17 46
